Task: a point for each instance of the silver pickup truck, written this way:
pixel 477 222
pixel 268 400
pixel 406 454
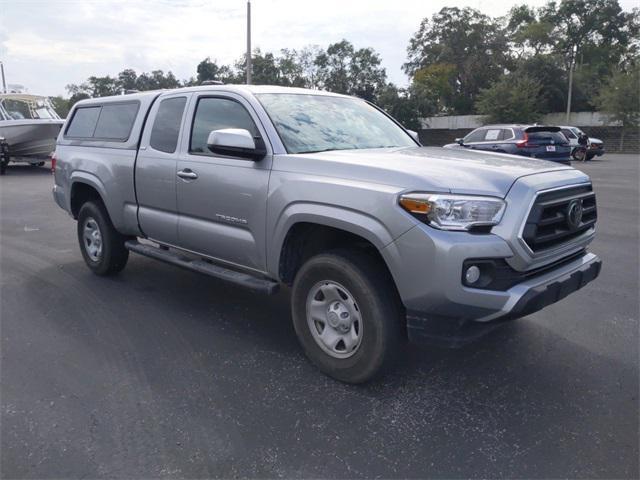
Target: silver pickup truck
pixel 380 239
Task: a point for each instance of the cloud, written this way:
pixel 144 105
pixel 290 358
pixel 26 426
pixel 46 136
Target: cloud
pixel 47 44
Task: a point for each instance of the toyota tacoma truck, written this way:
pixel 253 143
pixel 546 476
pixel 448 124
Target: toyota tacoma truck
pixel 380 239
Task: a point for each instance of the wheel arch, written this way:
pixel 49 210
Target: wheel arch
pixel 84 187
pixel 312 229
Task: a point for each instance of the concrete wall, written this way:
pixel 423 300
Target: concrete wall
pixel 455 122
pixel 438 131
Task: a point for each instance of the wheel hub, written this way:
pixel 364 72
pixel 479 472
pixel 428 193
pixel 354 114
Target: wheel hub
pixel 334 319
pixel 338 317
pixel 92 239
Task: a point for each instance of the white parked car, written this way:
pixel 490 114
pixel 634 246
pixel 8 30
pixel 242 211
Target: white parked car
pixel 594 148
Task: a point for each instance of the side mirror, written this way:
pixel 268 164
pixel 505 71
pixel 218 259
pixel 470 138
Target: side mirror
pixel 414 135
pixel 236 142
pixel 460 141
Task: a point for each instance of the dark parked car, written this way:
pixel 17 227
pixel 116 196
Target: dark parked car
pixel 536 141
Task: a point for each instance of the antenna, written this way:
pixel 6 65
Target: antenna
pixel 4 83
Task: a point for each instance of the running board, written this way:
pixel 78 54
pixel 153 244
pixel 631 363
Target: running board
pixel 246 280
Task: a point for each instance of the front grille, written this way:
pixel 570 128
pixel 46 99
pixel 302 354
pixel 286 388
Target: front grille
pixel 549 224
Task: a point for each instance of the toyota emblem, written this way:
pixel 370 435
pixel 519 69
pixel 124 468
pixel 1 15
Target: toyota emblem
pixel 574 214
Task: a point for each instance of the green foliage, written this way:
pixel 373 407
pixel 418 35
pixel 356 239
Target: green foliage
pixel 210 70
pixel 620 97
pixel 436 85
pixel 343 69
pixel 60 105
pixel 403 105
pixel 513 99
pixel 472 42
pixel 125 80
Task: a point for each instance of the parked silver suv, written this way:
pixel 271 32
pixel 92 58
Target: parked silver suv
pixel 380 238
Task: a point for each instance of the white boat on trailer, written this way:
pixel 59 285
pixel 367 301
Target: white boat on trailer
pixel 29 126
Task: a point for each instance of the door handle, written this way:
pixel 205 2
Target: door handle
pixel 187 174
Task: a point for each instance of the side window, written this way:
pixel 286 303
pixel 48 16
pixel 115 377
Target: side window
pixel 568 133
pixel 215 114
pixel 475 136
pixel 83 122
pixel 507 134
pixel 166 126
pixel 492 134
pixel 115 121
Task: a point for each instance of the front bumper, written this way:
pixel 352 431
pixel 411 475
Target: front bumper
pixel 524 299
pixel 427 264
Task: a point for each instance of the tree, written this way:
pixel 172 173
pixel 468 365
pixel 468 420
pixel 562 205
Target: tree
pixel 343 69
pixel 156 80
pixel 436 86
pixel 547 70
pixel 529 34
pixel 472 42
pixel 620 98
pixel 399 104
pixel 511 99
pixel 210 70
pixel 292 67
pixel 127 79
pixel 60 105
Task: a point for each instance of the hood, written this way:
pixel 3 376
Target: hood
pixel 433 169
pixel 594 140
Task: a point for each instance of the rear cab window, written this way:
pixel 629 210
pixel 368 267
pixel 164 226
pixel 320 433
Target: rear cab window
pixel 166 126
pixel 108 122
pixel 568 133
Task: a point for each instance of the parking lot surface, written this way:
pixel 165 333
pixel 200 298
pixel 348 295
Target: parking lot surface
pixel 161 372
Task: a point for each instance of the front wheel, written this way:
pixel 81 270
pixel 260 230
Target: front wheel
pixel 102 246
pixel 347 315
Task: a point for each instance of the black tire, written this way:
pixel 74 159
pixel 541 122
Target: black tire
pixel 3 168
pixel 377 302
pixel 114 255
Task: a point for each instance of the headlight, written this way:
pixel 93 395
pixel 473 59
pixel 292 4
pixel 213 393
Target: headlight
pixel 453 212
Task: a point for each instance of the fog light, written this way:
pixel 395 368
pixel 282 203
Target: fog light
pixel 472 275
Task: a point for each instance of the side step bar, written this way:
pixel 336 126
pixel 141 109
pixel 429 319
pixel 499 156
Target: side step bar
pixel 246 280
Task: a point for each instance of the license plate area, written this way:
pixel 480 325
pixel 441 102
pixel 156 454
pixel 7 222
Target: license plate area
pixel 551 148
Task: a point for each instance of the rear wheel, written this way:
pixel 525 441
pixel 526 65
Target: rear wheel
pixel 347 315
pixel 102 246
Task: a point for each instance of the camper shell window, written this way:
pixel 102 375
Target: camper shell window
pixel 110 121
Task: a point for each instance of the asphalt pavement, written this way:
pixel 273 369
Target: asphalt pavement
pixel 161 372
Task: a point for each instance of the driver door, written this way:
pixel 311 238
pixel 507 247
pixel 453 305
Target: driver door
pixel 222 199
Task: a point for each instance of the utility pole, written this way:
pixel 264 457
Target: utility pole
pixel 248 42
pixel 4 83
pixel 570 93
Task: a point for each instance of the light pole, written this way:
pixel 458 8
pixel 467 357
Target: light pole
pixel 570 93
pixel 248 42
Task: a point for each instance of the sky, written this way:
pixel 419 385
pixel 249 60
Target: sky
pixel 47 44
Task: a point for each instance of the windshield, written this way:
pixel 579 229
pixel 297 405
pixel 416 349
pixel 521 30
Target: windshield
pixel 317 123
pixel 27 109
